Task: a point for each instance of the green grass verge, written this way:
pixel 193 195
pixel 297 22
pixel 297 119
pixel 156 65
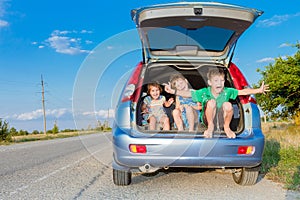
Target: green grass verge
pixel 281 158
pixel 37 137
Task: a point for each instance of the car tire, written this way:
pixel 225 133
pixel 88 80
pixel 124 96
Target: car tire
pixel 246 176
pixel 121 177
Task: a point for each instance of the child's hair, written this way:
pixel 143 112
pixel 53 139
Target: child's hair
pixel 215 72
pixel 153 85
pixel 174 78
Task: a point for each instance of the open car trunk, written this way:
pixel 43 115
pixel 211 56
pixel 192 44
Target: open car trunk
pixel 196 75
pixel 196 30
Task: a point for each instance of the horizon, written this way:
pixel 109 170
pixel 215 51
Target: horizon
pixel 60 41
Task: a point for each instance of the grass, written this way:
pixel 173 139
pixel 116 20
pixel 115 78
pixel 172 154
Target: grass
pixel 36 137
pixel 281 159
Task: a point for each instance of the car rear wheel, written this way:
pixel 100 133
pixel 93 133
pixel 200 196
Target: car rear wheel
pixel 121 177
pixel 246 176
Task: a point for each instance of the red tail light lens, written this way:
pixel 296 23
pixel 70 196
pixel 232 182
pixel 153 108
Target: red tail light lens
pixel 137 148
pixel 240 82
pixel 246 150
pixel 133 88
pixel 247 99
pixel 238 78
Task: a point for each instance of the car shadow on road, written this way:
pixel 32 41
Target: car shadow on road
pixel 142 177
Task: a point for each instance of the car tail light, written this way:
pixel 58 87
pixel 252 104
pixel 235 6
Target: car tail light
pixel 137 148
pixel 247 99
pixel 240 82
pixel 246 150
pixel 133 89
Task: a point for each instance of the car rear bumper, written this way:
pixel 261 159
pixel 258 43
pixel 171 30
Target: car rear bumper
pixel 164 150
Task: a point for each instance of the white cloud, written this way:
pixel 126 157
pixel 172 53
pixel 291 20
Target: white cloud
pixel 276 20
pixel 58 32
pixel 36 114
pixel 67 42
pixel 89 42
pixel 284 57
pixel 65 45
pixel 101 113
pixel 39 46
pixel 269 59
pixel 3 23
pixel 284 45
pixel 30 115
pixel 86 31
pixel 63 116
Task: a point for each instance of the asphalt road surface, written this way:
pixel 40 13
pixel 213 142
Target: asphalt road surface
pixel 80 168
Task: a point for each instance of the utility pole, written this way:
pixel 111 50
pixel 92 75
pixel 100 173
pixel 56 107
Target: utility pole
pixel 43 104
pixel 108 118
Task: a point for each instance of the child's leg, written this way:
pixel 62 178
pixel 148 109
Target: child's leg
pixel 166 123
pixel 177 119
pixel 190 115
pixel 152 123
pixel 210 113
pixel 228 113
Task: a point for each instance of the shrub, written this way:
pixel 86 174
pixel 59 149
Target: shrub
pixel 55 129
pixel 13 131
pixel 4 131
pixel 23 132
pixel 297 118
pixel 35 132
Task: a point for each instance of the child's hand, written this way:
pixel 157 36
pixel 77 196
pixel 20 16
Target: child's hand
pixel 199 106
pixel 170 101
pixel 168 88
pixel 181 108
pixel 145 110
pixel 264 88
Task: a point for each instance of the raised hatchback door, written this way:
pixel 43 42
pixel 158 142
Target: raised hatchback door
pixel 197 31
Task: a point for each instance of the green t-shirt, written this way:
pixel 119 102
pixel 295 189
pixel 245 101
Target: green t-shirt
pixel 204 94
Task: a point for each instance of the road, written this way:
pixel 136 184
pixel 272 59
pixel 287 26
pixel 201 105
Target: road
pixel 80 168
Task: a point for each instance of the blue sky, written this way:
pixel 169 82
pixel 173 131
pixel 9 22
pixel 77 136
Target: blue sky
pixel 56 39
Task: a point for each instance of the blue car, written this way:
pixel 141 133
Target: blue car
pixel 187 38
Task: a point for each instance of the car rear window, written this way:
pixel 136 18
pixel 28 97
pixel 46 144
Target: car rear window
pixel 207 38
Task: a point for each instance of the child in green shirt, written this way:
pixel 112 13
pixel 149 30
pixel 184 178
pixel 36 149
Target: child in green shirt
pixel 216 98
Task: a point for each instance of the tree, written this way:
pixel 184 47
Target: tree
pixel 23 132
pixel 55 128
pixel 4 131
pixel 283 78
pixel 13 131
pixel 35 132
